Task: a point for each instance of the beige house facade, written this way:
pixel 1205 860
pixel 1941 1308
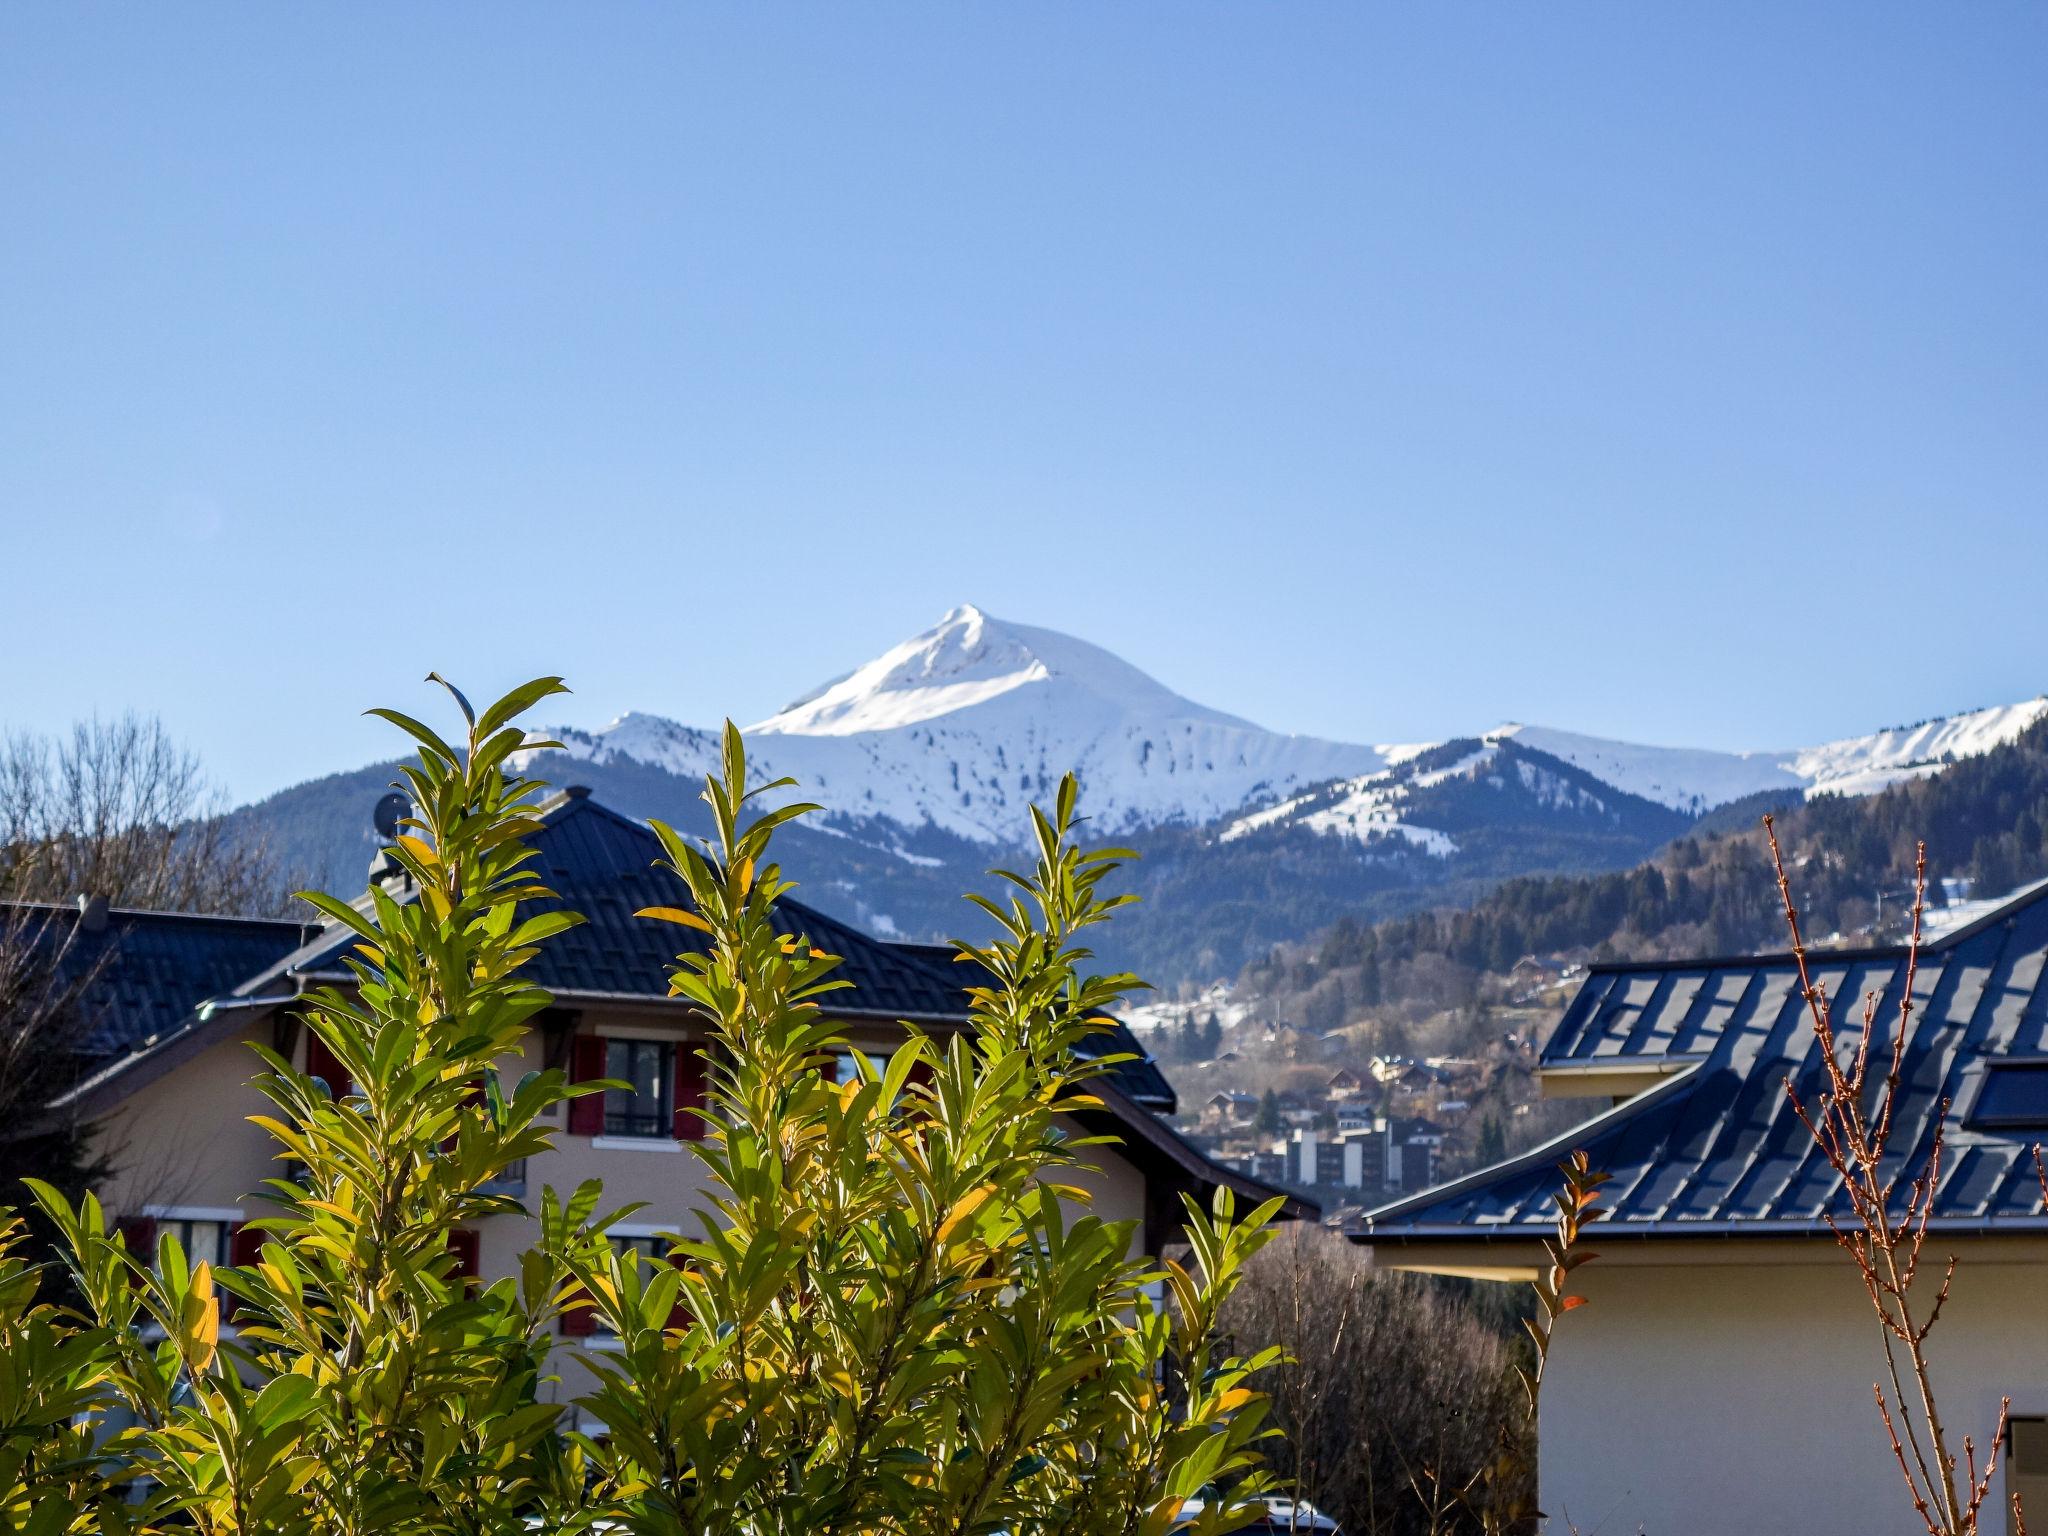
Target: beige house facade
pixel 1720 1380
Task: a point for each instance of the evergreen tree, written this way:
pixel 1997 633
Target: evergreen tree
pixel 1267 1121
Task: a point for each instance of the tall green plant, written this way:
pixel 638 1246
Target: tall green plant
pixel 900 1316
pixel 368 1386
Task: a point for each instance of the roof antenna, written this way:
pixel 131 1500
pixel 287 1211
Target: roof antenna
pixel 391 809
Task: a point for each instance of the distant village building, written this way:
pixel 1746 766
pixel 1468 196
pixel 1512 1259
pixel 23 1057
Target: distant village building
pixel 1382 1157
pixel 1229 1108
pixel 1721 1378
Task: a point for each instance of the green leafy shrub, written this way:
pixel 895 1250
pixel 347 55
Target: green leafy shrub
pixel 898 1316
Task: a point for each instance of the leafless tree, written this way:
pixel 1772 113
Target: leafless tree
pixel 1397 1384
pixel 115 813
pixel 1885 1234
pixel 117 809
pixel 46 1018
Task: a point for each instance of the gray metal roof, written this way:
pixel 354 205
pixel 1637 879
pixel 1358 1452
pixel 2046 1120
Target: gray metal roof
pixel 1716 1147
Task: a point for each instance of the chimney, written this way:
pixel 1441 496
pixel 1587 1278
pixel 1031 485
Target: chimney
pixel 92 913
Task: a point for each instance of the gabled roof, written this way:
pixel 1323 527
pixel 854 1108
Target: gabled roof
pixel 602 864
pixel 145 972
pixel 1715 1147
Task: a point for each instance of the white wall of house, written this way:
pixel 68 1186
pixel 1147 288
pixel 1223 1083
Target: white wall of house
pixel 1726 1388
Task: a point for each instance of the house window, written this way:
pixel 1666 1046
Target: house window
pixel 844 1069
pixel 2013 1094
pixel 2026 1469
pixel 648 1108
pixel 200 1238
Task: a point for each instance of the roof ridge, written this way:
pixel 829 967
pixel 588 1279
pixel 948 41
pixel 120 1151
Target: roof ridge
pixel 566 799
pixel 1542 1153
pixel 166 913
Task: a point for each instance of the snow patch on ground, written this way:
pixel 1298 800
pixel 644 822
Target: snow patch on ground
pixel 1159 1013
pixel 1939 922
pixel 1367 808
pixel 1684 778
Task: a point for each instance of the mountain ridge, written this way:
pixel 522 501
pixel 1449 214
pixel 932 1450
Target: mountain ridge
pixel 927 758
pixel 963 725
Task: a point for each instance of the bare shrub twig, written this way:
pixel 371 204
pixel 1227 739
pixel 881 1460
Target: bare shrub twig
pixel 1887 1238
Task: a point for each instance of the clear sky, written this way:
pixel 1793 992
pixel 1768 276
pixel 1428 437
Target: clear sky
pixel 1378 371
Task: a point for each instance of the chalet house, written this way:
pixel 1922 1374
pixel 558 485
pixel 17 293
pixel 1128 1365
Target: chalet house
pixel 178 1000
pixel 1721 1378
pixel 1232 1106
pixel 1344 1084
pixel 1401 1073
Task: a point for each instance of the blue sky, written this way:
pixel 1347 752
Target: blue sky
pixel 1374 371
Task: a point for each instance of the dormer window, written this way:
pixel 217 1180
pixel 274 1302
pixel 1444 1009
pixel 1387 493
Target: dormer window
pixel 2012 1096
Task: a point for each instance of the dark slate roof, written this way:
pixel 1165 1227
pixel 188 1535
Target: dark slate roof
pixel 149 970
pixel 602 864
pixel 1717 1149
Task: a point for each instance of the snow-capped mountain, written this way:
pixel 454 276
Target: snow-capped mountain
pixel 962 727
pixel 1689 779
pixel 959 729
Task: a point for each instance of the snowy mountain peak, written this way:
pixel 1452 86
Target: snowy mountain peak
pixel 970 658
pixel 961 728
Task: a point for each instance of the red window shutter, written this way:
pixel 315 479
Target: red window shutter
pixel 466 1243
pixel 580 1323
pixel 470 1100
pixel 140 1234
pixel 325 1065
pixel 586 1064
pixel 690 1086
pixel 245 1251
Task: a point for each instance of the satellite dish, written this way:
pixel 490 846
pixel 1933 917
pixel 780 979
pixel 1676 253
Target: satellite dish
pixel 391 810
